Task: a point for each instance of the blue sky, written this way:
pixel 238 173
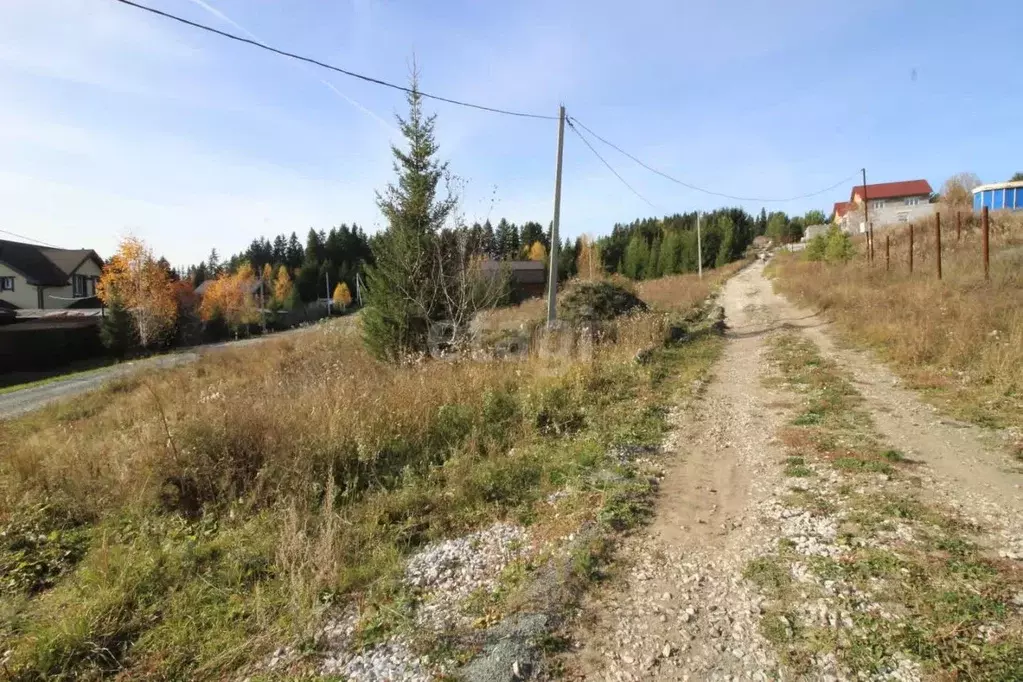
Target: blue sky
pixel 116 122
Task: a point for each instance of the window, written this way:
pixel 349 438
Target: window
pixel 80 286
pixel 911 201
pixel 877 203
pixel 6 284
pixel 903 216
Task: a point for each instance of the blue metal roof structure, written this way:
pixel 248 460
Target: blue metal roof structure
pixel 999 196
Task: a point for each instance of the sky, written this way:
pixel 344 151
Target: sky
pixel 116 122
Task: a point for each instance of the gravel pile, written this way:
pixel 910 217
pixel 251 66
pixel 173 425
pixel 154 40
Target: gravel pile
pixel 448 572
pixel 445 573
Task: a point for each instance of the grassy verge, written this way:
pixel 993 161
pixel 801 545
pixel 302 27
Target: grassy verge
pixel 184 524
pixel 959 340
pixel 869 579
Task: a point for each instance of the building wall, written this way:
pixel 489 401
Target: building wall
pixel 24 294
pixel 62 297
pixel 892 212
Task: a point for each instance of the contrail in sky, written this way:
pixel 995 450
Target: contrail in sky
pixel 226 19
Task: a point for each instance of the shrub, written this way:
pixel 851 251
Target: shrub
pixel 816 248
pixel 839 248
pixel 597 302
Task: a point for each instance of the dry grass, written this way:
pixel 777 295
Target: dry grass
pixel 180 524
pixel 685 291
pixel 960 338
pixel 677 292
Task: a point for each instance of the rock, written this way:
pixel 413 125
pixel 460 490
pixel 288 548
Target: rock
pixel 666 651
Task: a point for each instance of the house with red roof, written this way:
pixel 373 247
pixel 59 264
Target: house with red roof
pixel 887 204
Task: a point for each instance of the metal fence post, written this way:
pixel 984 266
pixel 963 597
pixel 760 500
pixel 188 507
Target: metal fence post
pixel 887 253
pixel 959 226
pixel 937 240
pixel 911 248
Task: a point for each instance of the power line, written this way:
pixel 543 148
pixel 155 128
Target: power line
pixel 31 239
pixel 609 167
pixel 315 62
pixel 701 189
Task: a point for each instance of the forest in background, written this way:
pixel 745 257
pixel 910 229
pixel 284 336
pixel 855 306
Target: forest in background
pixel 646 248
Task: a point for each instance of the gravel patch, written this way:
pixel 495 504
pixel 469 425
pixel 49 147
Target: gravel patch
pixel 449 572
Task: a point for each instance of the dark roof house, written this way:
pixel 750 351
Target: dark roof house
pixel 43 277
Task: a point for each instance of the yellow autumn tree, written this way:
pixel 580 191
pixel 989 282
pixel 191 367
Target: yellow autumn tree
pixel 231 296
pixel 138 283
pixel 537 251
pixel 282 287
pixel 588 264
pixel 342 297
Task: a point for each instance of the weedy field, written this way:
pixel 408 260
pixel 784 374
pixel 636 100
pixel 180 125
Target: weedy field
pixel 194 523
pixel 959 339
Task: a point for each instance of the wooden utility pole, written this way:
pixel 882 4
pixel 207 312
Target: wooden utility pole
pixel 866 214
pixel 552 285
pixel 699 247
pixel 937 240
pixel 326 279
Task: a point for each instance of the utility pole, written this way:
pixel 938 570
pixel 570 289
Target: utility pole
pixel 326 278
pixel 552 285
pixel 699 247
pixel 358 289
pixel 866 215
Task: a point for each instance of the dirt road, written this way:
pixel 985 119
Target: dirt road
pixel 682 609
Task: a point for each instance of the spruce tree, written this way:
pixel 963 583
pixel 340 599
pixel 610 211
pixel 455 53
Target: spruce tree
pixel 653 260
pixel 667 264
pixel 402 298
pixel 727 241
pixel 116 332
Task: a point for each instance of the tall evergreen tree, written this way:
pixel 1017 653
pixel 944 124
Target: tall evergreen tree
pixel 636 255
pixel 653 260
pixel 667 263
pixel 294 253
pixel 725 250
pixel 401 293
pixel 531 233
pixel 490 245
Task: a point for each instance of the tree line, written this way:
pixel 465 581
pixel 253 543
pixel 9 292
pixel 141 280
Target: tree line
pixel 648 248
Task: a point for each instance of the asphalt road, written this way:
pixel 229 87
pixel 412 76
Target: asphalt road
pixel 19 402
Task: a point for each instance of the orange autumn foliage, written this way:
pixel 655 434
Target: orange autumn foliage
pixel 137 281
pixel 231 297
pixel 342 296
pixel 282 286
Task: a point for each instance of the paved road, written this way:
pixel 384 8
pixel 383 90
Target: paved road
pixel 16 403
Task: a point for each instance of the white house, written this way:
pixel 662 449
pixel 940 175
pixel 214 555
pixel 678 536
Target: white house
pixel 39 277
pixel 888 203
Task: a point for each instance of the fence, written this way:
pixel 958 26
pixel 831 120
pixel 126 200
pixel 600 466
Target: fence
pixel 966 223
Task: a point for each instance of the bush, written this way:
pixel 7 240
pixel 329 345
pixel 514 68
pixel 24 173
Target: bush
pixel 839 248
pixel 834 247
pixel 816 248
pixel 597 302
